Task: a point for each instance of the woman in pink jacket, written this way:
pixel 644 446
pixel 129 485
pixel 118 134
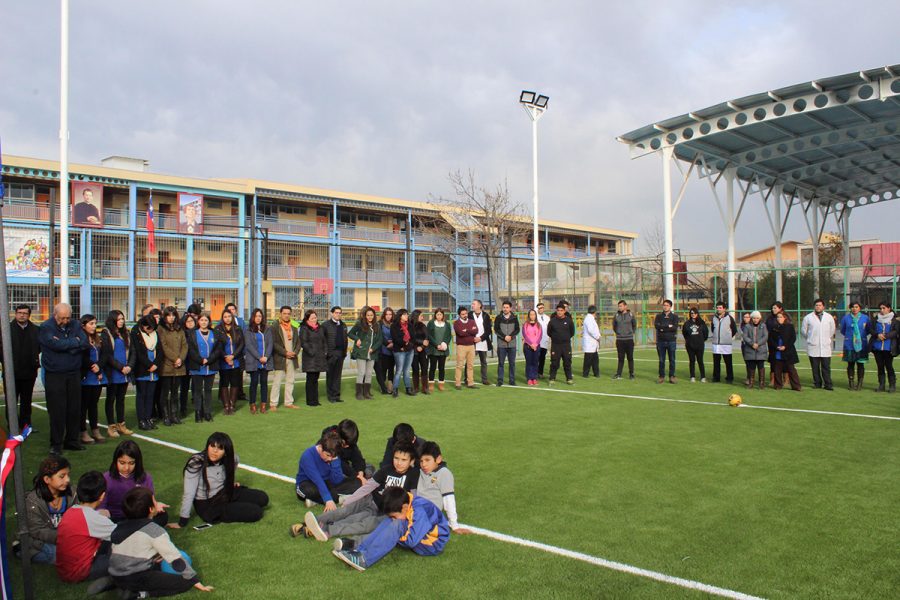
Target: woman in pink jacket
pixel 531 344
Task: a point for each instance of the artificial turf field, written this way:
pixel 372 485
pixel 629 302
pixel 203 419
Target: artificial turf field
pixel 773 504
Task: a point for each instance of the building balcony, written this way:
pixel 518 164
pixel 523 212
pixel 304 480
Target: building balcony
pixel 115 217
pixel 306 228
pixel 161 270
pixel 369 234
pixel 161 221
pixel 74 267
pixel 215 272
pixel 294 272
pixel 374 275
pixel 109 269
pixel 221 224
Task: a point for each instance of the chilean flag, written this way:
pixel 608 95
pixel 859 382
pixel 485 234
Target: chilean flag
pixel 7 461
pixel 151 226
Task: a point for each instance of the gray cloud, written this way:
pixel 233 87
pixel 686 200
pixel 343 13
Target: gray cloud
pixel 387 97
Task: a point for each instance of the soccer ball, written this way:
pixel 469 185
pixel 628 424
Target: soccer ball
pixel 735 400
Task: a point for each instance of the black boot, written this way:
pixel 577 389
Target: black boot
pixel 880 383
pixel 198 417
pixel 359 395
pixel 395 393
pixel 367 391
pixel 860 375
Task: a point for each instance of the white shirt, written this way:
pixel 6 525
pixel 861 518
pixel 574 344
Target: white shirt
pixel 479 320
pixel 819 334
pixel 590 336
pixel 544 320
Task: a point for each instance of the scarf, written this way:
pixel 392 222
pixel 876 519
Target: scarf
pixel 404 327
pixel 312 326
pixel 150 340
pixel 857 336
pixel 885 320
pixel 286 327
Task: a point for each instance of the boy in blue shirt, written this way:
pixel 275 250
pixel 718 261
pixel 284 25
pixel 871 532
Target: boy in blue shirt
pixel 415 523
pixel 319 474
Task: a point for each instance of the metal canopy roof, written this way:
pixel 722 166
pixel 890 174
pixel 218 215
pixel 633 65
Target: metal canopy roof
pixel 835 141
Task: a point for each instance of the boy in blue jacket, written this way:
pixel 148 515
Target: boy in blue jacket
pixel 319 474
pixel 415 523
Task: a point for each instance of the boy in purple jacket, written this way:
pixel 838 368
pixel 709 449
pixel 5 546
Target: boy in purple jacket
pixel 319 474
pixel 415 523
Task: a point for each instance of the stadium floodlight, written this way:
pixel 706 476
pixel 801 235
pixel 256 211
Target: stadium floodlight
pixel 535 105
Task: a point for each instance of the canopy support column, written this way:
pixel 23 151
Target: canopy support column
pixel 669 252
pixel 844 223
pixel 778 230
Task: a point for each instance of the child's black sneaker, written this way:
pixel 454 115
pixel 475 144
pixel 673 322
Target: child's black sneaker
pixel 351 557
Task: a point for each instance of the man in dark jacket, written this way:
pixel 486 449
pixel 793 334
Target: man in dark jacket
pixel 561 330
pixel 26 360
pixel 506 326
pixel 335 353
pixel 624 327
pixel 62 342
pixel 666 324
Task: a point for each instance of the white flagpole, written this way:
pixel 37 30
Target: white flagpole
pixel 64 153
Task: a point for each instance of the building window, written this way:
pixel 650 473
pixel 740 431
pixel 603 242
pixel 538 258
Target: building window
pixel 611 247
pixel 348 302
pixel 19 191
pixel 346 218
pixel 855 255
pixel 376 261
pixel 352 259
pixel 323 212
pixel 369 218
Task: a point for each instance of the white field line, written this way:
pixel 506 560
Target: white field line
pixel 594 560
pixel 720 404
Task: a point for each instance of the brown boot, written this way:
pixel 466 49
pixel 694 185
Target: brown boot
pixel 762 378
pixel 440 386
pixel 750 381
pixel 367 391
pixel 263 407
pixel 123 429
pixel 252 409
pixel 86 438
pixel 98 437
pixel 430 386
pixel 359 395
pixel 415 383
pixel 112 431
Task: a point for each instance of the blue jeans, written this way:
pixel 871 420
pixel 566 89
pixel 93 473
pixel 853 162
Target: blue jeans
pixel 663 348
pixel 46 555
pixel 402 360
pixel 502 355
pixel 532 361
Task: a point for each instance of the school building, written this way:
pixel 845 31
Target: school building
pixel 260 244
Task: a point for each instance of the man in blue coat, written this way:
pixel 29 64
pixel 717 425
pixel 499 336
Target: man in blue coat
pixel 62 342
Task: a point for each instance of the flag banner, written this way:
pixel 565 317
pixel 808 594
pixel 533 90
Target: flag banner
pixel 6 466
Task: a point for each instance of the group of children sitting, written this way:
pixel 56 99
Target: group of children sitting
pixel 401 504
pixel 115 536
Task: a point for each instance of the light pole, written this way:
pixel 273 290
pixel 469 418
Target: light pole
pixel 535 105
pixel 63 154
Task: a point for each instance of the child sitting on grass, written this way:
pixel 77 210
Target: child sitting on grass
pixel 138 544
pixel 415 523
pixel 352 462
pixel 44 507
pixel 362 512
pixel 319 475
pixel 403 432
pixel 125 473
pixel 82 539
pixel 436 483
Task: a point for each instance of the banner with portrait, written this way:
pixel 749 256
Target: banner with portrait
pixel 190 213
pixel 27 252
pixel 87 204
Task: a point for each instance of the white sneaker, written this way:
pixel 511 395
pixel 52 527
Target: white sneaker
pixel 693 380
pixel 703 380
pixel 309 503
pixel 312 525
pixel 342 498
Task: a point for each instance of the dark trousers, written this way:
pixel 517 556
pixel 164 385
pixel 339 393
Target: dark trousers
pixel 420 366
pixel 171 387
pixel 821 370
pixel 259 378
pixel 541 361
pixel 312 388
pixel 333 376
pixel 90 396
pixel 664 349
pixel 504 355
pixel 24 392
pixel 482 358
pixel 591 364
pixel 885 361
pixel 695 355
pixel 717 368
pixel 564 352
pixel 63 392
pixel 781 367
pixel 115 402
pixel 307 490
pixel 384 370
pixel 532 359
pixel 246 506
pixel 157 406
pixel 754 366
pixel 154 582
pixel 436 363
pixel 144 398
pixel 183 392
pixel 202 391
pixel 625 349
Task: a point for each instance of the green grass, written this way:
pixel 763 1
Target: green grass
pixel 769 503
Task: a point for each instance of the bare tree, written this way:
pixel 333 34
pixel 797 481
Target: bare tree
pixel 485 221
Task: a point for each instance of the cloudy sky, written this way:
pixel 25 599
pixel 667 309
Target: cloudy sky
pixel 387 97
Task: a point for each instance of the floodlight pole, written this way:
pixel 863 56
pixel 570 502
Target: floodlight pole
pixel 669 256
pixel 63 153
pixel 535 113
